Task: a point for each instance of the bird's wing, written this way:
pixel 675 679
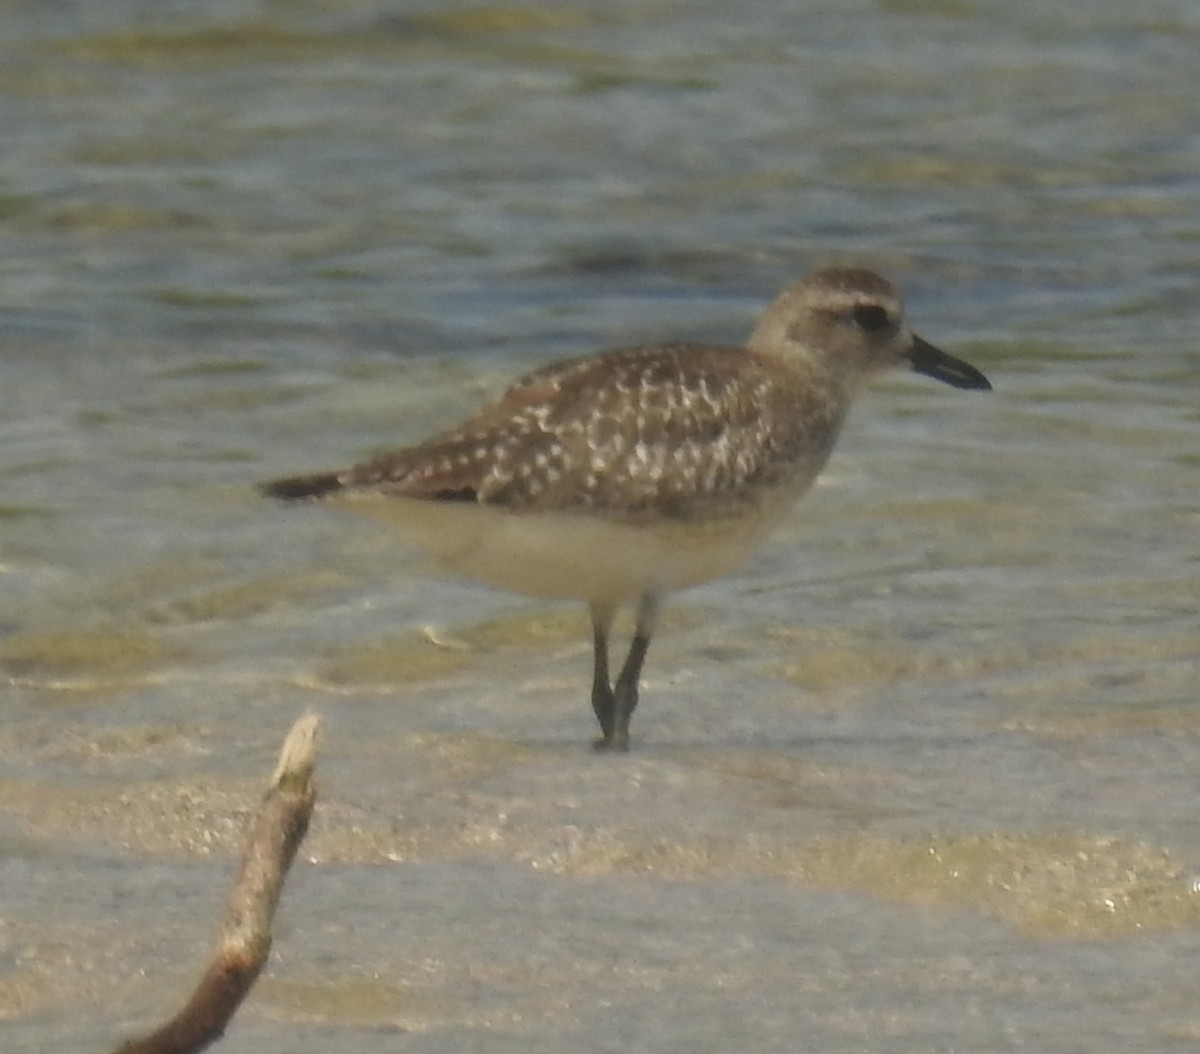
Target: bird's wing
pixel 663 426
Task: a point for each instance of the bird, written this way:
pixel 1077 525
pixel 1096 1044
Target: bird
pixel 624 476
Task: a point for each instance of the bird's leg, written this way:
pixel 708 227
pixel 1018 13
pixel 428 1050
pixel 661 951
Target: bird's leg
pixel 625 692
pixel 602 693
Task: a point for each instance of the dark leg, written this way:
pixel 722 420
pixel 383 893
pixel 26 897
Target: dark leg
pixel 625 693
pixel 602 693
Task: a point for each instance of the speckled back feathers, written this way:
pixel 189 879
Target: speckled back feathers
pixel 669 427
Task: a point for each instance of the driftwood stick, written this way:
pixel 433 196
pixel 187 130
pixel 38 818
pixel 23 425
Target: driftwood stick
pixel 245 940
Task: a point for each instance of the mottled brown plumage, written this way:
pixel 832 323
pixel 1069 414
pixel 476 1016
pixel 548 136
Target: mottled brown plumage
pixel 632 473
pixel 679 430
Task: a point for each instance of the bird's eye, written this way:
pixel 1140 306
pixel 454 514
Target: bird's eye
pixel 871 318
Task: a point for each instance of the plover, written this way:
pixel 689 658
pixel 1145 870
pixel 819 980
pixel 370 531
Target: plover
pixel 624 476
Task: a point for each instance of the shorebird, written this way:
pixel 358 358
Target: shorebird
pixel 624 476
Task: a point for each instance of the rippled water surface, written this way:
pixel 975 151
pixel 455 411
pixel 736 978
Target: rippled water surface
pixel 922 777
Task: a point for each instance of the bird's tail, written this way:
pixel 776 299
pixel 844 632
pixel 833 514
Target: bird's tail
pixel 296 488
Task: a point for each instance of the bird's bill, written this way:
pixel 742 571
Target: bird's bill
pixel 935 363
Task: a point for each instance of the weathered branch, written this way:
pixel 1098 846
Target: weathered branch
pixel 245 940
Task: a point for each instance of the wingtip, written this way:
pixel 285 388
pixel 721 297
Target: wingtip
pixel 297 488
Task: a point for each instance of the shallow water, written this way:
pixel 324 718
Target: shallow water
pixel 922 777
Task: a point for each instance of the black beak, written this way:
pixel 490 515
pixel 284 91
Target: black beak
pixel 935 363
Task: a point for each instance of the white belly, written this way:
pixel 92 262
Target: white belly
pixel 572 555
